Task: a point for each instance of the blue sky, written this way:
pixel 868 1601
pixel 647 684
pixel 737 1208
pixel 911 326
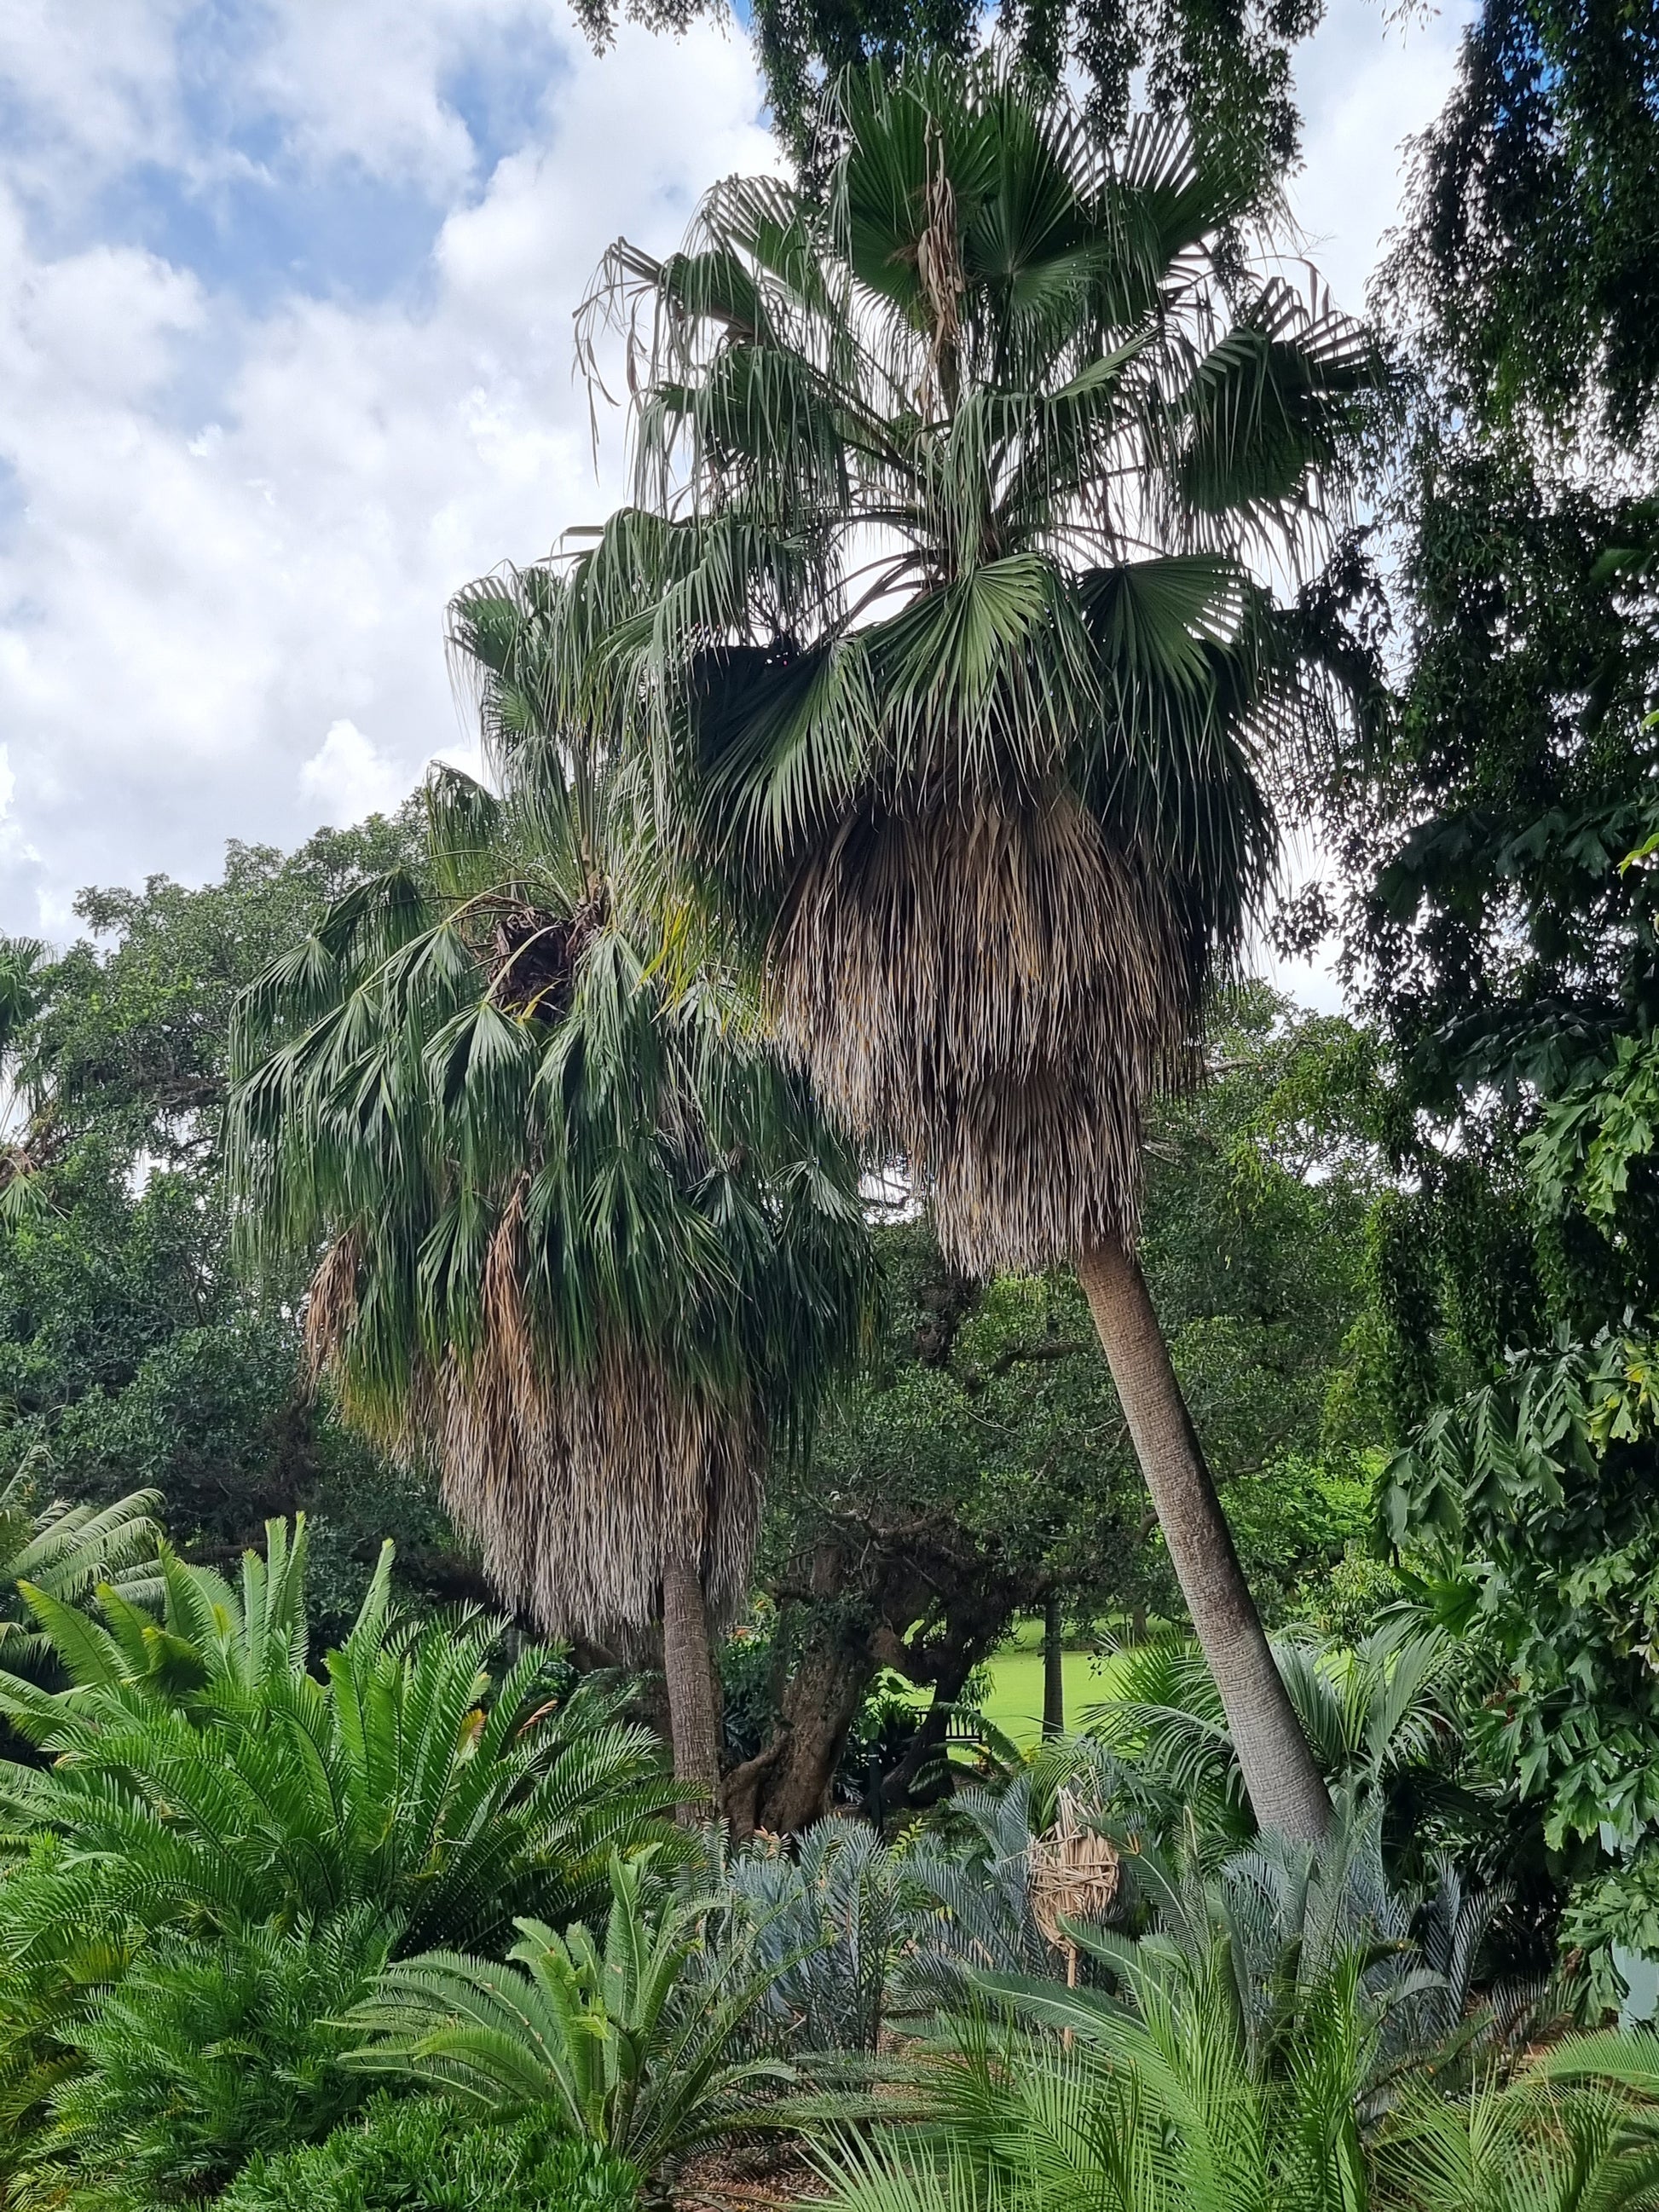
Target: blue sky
pixel 285 300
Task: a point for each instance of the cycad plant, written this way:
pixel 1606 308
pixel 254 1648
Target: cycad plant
pixel 201 1777
pixel 635 2041
pixel 940 611
pixel 581 1240
pixel 65 1550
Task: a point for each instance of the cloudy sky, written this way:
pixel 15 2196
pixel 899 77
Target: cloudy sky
pixel 285 301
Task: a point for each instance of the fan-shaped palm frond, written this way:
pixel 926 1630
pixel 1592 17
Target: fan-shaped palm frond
pixel 586 1245
pixel 936 602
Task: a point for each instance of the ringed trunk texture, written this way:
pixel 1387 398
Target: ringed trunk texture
pixel 688 1670
pixel 1287 1790
pixel 1054 1671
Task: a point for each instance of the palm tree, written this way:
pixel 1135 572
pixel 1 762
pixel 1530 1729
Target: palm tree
pixel 584 1243
pixel 938 609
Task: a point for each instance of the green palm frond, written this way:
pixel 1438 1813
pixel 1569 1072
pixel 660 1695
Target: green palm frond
pixel 939 615
pixel 618 2033
pixel 574 1216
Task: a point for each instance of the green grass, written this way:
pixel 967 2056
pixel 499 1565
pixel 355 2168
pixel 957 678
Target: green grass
pixel 1015 1704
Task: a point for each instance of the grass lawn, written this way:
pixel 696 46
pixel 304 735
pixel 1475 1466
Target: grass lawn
pixel 1015 1704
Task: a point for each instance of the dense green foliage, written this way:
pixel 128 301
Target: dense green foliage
pixel 131 1354
pixel 1225 72
pixel 409 2155
pixel 635 2037
pixel 207 2051
pixel 202 1775
pixel 1495 829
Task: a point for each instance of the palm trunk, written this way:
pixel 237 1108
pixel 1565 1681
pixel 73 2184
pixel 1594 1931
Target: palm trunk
pixel 1285 1790
pixel 1054 1671
pixel 688 1670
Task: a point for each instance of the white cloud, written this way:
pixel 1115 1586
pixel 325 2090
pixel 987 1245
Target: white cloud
pixel 346 778
pixel 185 603
pixel 1367 80
pixel 94 87
pixel 365 80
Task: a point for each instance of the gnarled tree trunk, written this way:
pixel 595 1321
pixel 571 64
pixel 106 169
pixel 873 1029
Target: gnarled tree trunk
pixel 688 1671
pixel 1286 1788
pixel 821 1700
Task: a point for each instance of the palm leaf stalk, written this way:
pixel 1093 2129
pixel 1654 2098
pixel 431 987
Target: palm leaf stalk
pixel 585 1244
pixel 940 611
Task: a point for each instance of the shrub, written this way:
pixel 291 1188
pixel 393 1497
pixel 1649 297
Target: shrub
pixel 201 1776
pixel 205 2052
pixel 638 2036
pixel 412 2154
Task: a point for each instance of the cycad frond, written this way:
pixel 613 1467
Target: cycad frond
pixel 214 1784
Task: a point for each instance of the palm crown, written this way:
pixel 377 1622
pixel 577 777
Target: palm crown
pixel 936 606
pixel 584 1242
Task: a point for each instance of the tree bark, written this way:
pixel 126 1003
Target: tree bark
pixel 1285 1789
pixel 1053 1670
pixel 688 1671
pixel 832 1674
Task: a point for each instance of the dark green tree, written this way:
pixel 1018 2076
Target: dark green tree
pixel 129 1354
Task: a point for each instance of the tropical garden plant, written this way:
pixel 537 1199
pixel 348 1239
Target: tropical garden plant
pixel 202 1777
pixel 939 614
pixel 214 1850
pixel 635 2039
pixel 409 2155
pixel 204 2053
pixel 64 1550
pixel 579 1239
pixel 1384 1719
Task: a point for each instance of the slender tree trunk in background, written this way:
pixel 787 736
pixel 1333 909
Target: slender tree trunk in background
pixel 1054 1671
pixel 1285 1789
pixel 688 1670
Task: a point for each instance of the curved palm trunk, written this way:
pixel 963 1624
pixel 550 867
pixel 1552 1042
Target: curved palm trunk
pixel 688 1670
pixel 1287 1790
